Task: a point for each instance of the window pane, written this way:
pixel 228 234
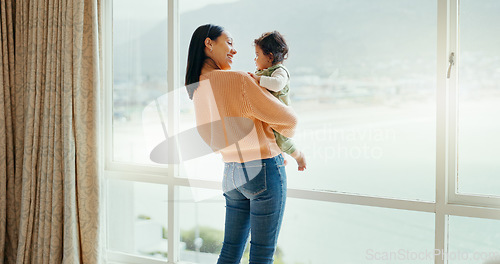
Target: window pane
pixel 473 240
pixel 205 166
pixel 479 97
pixel 315 232
pixel 322 232
pixel 362 82
pixel 139 72
pixel 137 218
pixel 201 220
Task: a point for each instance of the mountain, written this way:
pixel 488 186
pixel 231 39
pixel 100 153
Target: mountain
pixel 140 50
pixel 325 32
pixel 359 37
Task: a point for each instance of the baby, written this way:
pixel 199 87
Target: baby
pixel 270 52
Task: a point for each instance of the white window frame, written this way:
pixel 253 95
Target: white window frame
pixel 454 196
pixel 447 201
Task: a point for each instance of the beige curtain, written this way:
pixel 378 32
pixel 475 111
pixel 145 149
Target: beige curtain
pixel 49 83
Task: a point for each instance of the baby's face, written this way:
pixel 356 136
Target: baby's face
pixel 262 61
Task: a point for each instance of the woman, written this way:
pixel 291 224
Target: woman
pixel 236 117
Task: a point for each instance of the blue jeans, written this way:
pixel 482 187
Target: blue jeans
pixel 255 194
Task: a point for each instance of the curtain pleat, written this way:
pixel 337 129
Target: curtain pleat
pixel 10 125
pixel 49 94
pixel 6 124
pixel 56 231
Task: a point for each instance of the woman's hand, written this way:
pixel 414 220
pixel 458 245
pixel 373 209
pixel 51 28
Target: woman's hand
pixel 256 77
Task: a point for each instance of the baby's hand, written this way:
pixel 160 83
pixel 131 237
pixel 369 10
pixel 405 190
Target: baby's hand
pixel 256 77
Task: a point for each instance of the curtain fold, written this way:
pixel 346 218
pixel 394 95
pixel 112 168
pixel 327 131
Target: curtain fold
pixel 49 88
pixel 10 138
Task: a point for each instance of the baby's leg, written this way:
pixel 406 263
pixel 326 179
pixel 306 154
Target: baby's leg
pixel 288 146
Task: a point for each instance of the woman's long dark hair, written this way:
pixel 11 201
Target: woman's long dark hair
pixel 196 54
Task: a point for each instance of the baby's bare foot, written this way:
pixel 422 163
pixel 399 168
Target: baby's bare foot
pixel 300 158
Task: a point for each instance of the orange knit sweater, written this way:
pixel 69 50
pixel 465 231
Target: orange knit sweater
pixel 236 116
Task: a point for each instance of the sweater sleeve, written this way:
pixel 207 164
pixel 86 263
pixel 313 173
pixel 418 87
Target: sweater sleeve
pixel 276 82
pixel 264 106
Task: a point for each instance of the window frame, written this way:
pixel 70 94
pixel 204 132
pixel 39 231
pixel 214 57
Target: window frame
pixel 454 196
pixel 447 200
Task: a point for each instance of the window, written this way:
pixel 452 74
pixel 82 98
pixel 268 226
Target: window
pixel 347 233
pixel 138 218
pixel 139 74
pixel 400 142
pixel 363 84
pixel 479 93
pixel 473 88
pixel 471 240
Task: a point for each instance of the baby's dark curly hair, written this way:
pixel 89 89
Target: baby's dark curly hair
pixel 273 43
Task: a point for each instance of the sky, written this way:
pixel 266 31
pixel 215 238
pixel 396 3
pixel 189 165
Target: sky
pixel 155 9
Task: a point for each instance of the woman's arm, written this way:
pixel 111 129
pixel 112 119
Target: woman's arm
pixel 267 108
